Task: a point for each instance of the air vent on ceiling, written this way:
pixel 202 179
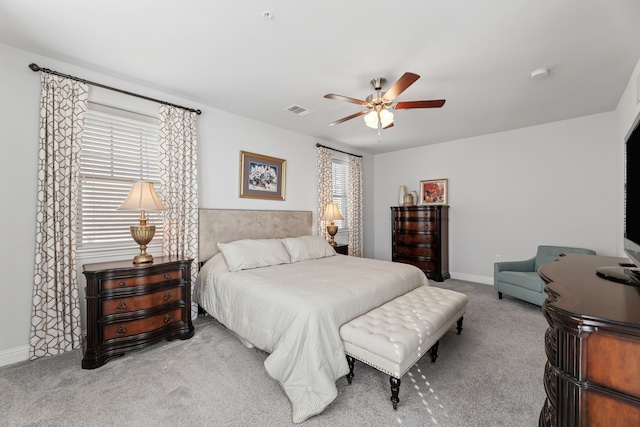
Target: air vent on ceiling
pixel 300 111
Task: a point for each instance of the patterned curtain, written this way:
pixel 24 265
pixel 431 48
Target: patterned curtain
pixel 354 207
pixel 179 186
pixel 325 186
pixel 55 321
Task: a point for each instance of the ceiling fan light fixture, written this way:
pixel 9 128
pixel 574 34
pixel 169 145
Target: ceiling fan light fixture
pixel 371 118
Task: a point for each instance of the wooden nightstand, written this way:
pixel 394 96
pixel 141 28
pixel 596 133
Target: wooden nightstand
pixel 130 307
pixel 342 249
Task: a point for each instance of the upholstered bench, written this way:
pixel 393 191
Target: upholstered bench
pixel 394 336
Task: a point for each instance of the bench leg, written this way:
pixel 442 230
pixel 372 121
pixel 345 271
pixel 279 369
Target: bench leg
pixel 499 295
pixel 395 391
pixel 460 324
pixel 351 361
pixel 434 351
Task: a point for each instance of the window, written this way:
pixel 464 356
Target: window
pixel 340 172
pixel 118 147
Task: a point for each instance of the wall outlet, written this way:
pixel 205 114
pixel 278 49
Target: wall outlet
pixel 498 258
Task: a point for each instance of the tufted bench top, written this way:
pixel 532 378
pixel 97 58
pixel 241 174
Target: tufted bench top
pixel 392 337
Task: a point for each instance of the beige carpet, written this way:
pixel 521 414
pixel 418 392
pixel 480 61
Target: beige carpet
pixel 490 375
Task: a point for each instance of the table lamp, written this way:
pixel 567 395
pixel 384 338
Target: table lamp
pixel 331 213
pixel 142 197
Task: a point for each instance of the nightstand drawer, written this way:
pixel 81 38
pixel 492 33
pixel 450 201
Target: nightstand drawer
pixel 127 282
pixel 136 327
pixel 141 302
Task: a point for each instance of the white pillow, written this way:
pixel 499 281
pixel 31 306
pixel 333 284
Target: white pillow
pixel 253 253
pixel 307 247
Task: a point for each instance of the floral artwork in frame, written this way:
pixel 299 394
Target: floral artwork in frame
pixel 433 192
pixel 261 176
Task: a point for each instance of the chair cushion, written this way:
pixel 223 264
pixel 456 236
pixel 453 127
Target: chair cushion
pixel 524 279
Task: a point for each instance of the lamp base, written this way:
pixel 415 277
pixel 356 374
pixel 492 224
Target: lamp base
pixel 143 258
pixel 332 230
pixel 143 234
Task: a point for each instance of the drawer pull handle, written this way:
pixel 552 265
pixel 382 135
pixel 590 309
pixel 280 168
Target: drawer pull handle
pixel 121 284
pixel 122 306
pixel 167 296
pixel 168 318
pixel 122 331
pixel 167 276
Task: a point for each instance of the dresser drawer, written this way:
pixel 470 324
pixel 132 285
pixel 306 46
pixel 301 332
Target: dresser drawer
pixel 421 213
pixel 141 302
pixel 422 265
pixel 412 238
pixel 127 282
pixel 136 327
pixel 427 252
pixel 415 225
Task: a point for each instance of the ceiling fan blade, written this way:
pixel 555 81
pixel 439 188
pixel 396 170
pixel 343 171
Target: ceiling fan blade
pixel 345 99
pixel 401 85
pixel 388 126
pixel 435 103
pixel 344 119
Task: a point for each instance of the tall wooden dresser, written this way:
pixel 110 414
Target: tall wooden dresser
pixel 592 374
pixel 420 236
pixel 132 306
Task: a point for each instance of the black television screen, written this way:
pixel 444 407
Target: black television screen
pixel 632 196
pixel 629 274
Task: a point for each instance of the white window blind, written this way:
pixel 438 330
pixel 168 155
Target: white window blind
pixel 117 149
pixel 340 171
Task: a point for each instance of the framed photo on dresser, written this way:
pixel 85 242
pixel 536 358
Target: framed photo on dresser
pixel 433 192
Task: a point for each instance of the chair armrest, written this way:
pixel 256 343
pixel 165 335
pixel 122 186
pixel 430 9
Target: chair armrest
pixel 526 265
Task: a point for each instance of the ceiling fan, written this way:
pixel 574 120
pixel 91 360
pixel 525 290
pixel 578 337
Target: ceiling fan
pixel 378 114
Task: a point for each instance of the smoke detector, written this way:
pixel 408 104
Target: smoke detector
pixel 538 74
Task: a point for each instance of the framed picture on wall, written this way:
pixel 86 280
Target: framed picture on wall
pixel 262 177
pixel 433 192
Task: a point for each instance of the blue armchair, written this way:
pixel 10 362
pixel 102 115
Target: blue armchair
pixel 520 279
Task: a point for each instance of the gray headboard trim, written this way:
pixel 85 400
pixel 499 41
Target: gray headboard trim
pixel 226 225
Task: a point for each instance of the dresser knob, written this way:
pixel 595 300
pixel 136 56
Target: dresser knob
pixel 167 276
pixel 168 296
pixel 122 331
pixel 168 318
pixel 122 306
pixel 121 284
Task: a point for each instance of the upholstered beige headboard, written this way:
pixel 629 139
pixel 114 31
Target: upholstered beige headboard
pixel 226 225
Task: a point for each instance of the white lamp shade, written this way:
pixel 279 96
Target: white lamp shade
pixel 371 119
pixel 142 197
pixel 386 118
pixel 331 213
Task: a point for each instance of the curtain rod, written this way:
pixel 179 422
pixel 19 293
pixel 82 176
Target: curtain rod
pixel 339 151
pixel 35 67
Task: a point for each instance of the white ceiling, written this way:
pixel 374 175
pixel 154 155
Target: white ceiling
pixel 475 54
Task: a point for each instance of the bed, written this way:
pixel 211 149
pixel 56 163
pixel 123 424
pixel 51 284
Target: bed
pixel 284 291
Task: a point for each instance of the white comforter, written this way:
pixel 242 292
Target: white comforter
pixel 294 311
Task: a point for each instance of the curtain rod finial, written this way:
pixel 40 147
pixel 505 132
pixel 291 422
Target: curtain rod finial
pixel 34 67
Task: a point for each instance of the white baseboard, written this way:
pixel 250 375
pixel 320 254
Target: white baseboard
pixel 14 355
pixel 472 278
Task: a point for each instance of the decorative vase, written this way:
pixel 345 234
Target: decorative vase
pixel 414 194
pixel 403 192
pixel 408 200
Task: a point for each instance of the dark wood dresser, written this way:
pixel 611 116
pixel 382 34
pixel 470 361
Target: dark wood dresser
pixel 130 307
pixel 592 376
pixel 420 236
pixel 342 248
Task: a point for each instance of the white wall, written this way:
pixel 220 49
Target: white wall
pixel 511 191
pixel 221 137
